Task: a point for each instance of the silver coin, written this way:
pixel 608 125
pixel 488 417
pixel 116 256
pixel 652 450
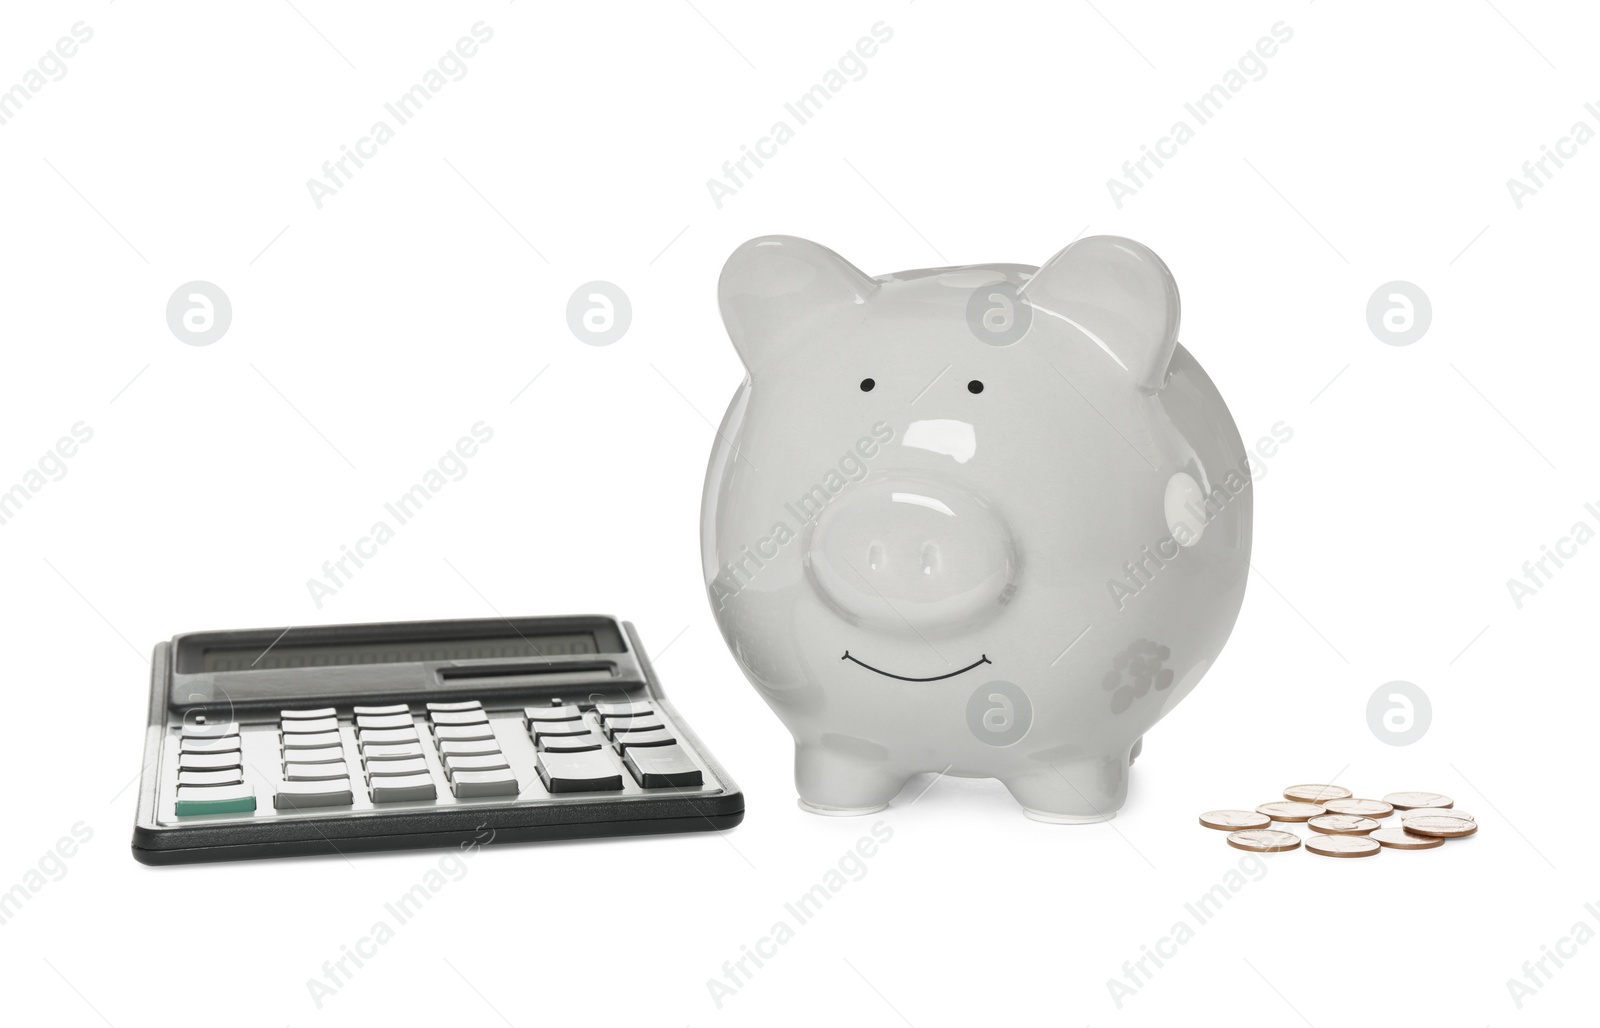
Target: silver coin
pixel 1408 800
pixel 1400 839
pixel 1342 845
pixel 1360 808
pixel 1234 820
pixel 1406 815
pixel 1288 810
pixel 1316 793
pixel 1342 824
pixel 1440 826
pixel 1264 841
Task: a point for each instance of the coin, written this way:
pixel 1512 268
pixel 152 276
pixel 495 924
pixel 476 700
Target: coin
pixel 1342 845
pixel 1233 820
pixel 1400 839
pixel 1441 826
pixel 1264 841
pixel 1361 808
pixel 1406 815
pixel 1408 800
pixel 1316 793
pixel 1287 810
pixel 1342 824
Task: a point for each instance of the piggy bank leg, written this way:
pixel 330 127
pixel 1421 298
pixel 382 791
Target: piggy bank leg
pixel 1073 792
pixel 841 783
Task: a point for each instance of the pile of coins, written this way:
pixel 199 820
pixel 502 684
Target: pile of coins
pixel 1341 825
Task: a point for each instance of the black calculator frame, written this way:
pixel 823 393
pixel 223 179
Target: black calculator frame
pixel 626 674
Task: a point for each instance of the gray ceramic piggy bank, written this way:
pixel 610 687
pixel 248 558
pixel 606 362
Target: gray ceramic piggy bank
pixel 990 521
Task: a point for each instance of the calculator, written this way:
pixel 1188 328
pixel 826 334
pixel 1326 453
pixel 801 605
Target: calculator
pixel 346 738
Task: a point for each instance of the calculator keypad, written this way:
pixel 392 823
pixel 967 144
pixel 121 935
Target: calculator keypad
pixel 575 749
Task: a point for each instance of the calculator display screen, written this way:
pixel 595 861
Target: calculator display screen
pixel 396 651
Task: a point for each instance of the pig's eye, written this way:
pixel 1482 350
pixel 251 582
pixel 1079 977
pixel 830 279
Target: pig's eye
pixel 867 384
pixel 974 386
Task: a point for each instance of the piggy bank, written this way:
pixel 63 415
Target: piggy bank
pixel 989 521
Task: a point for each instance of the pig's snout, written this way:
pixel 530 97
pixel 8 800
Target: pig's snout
pixel 912 555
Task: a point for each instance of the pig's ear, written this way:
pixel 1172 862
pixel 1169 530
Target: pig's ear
pixel 776 290
pixel 1118 296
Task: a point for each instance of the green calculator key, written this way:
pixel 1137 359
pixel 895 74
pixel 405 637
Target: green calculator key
pixel 214 799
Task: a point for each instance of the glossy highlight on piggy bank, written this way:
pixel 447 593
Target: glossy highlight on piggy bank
pixel 988 521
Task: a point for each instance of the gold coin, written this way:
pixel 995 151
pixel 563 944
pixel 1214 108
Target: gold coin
pixel 1342 824
pixel 1441 826
pixel 1342 845
pixel 1264 841
pixel 1288 810
pixel 1233 820
pixel 1408 800
pixel 1360 808
pixel 1316 793
pixel 1400 839
pixel 1406 815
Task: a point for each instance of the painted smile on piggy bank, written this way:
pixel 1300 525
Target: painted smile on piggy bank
pixel 989 521
pixel 907 678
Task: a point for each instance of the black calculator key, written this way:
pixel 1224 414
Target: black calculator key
pixel 631 709
pixel 570 743
pixel 662 767
pixel 659 737
pixel 384 721
pixel 546 729
pixel 578 772
pixel 209 761
pixel 393 708
pixel 566 713
pixel 307 715
pixel 334 792
pixel 456 705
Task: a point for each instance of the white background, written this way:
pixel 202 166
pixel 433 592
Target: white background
pixel 428 293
